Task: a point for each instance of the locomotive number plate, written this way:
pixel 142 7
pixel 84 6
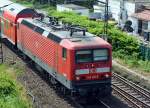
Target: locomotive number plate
pixel 93 77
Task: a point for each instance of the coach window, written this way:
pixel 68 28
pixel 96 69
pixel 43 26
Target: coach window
pixel 64 53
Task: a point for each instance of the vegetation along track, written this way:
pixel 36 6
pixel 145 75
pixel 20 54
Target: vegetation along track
pixel 135 95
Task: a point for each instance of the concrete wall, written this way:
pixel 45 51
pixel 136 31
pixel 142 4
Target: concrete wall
pixel 84 12
pixel 98 9
pixel 130 7
pixel 60 8
pixel 149 25
pixel 115 8
pixel 134 25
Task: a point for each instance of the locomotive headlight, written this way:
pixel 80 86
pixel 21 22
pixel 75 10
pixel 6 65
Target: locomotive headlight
pixel 82 71
pixel 104 69
pixel 106 76
pixel 77 78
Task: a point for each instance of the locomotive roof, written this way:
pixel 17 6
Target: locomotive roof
pixel 15 8
pixel 58 35
pixel 5 2
pixel 13 11
pixel 63 34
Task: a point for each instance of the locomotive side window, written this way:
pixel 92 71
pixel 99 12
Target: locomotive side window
pixel 84 56
pixel 64 53
pixel 100 55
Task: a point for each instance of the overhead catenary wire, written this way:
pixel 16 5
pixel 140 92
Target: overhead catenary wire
pixel 106 4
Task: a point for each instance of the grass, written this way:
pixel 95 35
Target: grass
pixel 134 78
pixel 24 2
pixel 12 93
pixel 133 62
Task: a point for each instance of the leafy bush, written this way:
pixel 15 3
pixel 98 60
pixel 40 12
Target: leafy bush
pixel 12 94
pixel 6 87
pixel 119 40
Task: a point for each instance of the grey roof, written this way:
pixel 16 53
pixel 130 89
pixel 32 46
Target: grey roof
pixel 133 0
pixel 5 2
pixel 62 34
pixel 95 15
pixel 73 6
pixel 15 8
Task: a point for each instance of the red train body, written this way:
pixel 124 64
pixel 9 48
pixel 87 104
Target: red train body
pixel 10 14
pixel 80 61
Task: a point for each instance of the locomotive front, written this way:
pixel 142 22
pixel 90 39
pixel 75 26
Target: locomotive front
pixel 81 62
pixel 91 66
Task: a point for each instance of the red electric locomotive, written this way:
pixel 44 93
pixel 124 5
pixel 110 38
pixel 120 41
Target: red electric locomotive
pixel 71 56
pixel 77 59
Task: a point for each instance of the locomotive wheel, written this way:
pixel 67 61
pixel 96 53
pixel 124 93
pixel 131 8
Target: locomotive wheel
pixel 53 81
pixel 24 57
pixel 63 90
pixel 38 68
pixel 90 100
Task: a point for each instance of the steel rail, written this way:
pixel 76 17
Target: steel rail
pixel 131 83
pixel 133 93
pixel 107 106
pixel 124 96
pixel 130 87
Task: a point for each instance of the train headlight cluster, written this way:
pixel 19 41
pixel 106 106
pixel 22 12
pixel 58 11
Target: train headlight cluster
pixel 107 76
pixel 82 71
pixel 77 78
pixel 104 69
pixel 87 71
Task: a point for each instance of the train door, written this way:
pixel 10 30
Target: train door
pixel 2 27
pixel 56 58
pixel 55 64
pixel 64 61
pixel 13 32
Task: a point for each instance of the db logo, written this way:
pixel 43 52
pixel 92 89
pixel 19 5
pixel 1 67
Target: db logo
pixel 93 70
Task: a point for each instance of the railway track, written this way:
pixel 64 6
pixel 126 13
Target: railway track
pixel 106 106
pixel 135 95
pixel 98 103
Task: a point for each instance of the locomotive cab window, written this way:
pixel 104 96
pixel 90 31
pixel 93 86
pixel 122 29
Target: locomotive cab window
pixel 84 56
pixel 93 55
pixel 100 55
pixel 64 53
